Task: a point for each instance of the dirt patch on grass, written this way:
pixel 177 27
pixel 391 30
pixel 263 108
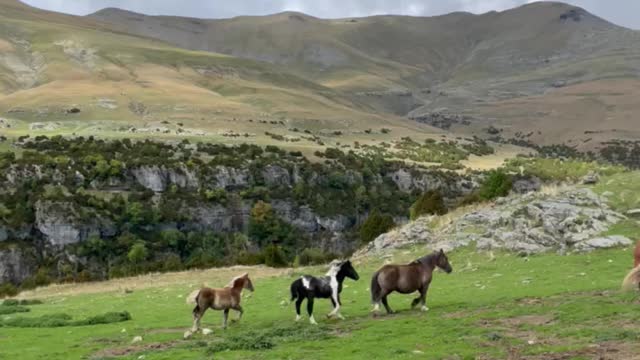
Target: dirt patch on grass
pixel 529 301
pixel 601 351
pixel 535 320
pixel 134 349
pixel 196 278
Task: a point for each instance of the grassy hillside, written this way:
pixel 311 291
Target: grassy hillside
pixel 499 68
pixel 70 75
pixel 495 305
pixel 492 306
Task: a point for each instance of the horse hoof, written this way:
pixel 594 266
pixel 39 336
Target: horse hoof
pixel 424 309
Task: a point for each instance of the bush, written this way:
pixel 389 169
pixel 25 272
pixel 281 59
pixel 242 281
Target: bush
pixel 312 257
pixel 429 203
pixel 8 290
pixel 7 309
pixel 275 257
pixel 62 319
pixel 497 184
pixel 470 199
pixel 13 302
pixel 375 225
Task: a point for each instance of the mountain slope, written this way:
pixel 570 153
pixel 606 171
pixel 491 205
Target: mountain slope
pixel 458 63
pixel 91 77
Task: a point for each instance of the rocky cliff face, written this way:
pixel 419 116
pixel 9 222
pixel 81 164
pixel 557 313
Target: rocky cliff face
pixel 16 264
pixel 76 217
pixel 572 220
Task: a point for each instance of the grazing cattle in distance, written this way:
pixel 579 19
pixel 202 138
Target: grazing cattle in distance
pixel 326 287
pixel 407 279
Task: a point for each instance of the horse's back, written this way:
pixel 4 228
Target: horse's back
pixel 401 278
pixel 217 299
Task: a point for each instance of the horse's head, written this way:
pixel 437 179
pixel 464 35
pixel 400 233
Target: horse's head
pixel 242 282
pixel 442 262
pixel 347 270
pixel 247 282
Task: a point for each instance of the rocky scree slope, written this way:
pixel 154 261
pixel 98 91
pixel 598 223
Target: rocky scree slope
pixel 569 220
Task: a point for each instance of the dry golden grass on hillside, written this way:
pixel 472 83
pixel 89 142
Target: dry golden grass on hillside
pixel 580 115
pixel 217 277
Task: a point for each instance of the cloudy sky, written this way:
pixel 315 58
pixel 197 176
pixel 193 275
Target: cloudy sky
pixel 622 12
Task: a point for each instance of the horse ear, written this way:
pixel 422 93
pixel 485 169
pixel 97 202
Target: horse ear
pixel 245 275
pixel 441 252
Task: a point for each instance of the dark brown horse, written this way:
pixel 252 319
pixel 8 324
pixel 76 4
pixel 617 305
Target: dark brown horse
pixel 224 299
pixel 407 279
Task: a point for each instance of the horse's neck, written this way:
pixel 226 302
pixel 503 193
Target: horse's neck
pixel 237 286
pixel 427 263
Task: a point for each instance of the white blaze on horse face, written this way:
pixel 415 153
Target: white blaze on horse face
pixel 306 282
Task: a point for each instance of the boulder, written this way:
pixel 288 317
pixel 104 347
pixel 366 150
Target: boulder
pixel 604 243
pixel 591 178
pixel 634 213
pixel 527 185
pixel 526 224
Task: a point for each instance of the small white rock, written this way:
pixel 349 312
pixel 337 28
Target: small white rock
pixel 207 331
pixel 136 339
pixel 531 342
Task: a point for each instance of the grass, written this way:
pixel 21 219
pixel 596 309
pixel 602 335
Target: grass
pixel 561 170
pixel 492 305
pixel 622 190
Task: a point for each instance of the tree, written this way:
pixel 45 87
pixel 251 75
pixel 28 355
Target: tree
pixel 138 253
pixel 375 225
pixel 429 203
pixel 497 184
pixel 274 256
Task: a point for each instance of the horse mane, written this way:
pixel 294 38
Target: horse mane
pixel 425 259
pixel 233 281
pixel 336 265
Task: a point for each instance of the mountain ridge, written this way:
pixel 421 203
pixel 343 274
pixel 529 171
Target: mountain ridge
pixel 497 69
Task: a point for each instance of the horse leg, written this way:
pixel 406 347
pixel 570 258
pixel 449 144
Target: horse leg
pixel 310 310
pixel 336 309
pixel 298 304
pixel 423 298
pixel 198 312
pixel 416 301
pixel 386 304
pixel 225 316
pixel 240 311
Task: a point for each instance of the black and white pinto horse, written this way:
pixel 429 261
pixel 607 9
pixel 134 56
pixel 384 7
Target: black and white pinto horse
pixel 329 286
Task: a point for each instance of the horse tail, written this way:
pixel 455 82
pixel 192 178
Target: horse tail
pixel 294 290
pixel 196 300
pixel 632 280
pixel 193 297
pixel 376 290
